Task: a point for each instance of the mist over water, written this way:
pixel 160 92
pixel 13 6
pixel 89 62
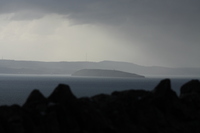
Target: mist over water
pixel 14 89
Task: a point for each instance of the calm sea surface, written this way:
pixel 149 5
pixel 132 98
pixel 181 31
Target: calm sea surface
pixel 14 89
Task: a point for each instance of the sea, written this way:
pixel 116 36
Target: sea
pixel 15 89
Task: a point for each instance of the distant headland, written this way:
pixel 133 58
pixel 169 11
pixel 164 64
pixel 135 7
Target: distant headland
pixel 105 73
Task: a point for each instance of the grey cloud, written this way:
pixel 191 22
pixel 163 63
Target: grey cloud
pixel 28 15
pixel 169 26
pixel 154 12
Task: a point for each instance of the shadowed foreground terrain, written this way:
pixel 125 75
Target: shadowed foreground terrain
pixel 130 111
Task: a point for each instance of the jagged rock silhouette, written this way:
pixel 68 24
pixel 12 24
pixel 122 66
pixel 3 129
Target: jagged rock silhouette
pixel 140 111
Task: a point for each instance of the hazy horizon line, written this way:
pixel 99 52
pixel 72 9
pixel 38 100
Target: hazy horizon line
pixel 95 62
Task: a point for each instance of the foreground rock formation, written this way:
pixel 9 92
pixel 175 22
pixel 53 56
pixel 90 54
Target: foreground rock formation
pixel 137 111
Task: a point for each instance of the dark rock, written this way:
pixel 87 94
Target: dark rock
pixel 131 95
pixel 11 118
pixel 192 86
pixel 1 128
pixel 191 106
pixel 62 94
pixel 151 118
pixel 164 97
pixel 190 98
pixel 163 89
pixel 67 108
pixel 92 118
pixel 120 108
pixel 157 111
pixel 64 116
pixel 36 101
pixel 51 123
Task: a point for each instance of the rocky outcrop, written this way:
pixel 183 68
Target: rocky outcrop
pixel 62 95
pixel 140 111
pixel 192 86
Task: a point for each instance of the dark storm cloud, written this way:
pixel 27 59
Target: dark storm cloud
pixel 151 16
pixel 158 13
pixel 111 10
pixel 178 16
pixel 165 27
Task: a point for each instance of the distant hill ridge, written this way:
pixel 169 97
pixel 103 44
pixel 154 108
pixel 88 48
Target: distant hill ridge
pixel 68 68
pixel 105 73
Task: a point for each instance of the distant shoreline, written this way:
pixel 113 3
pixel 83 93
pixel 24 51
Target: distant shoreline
pixel 66 68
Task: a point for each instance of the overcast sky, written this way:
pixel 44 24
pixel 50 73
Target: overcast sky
pixel 144 32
